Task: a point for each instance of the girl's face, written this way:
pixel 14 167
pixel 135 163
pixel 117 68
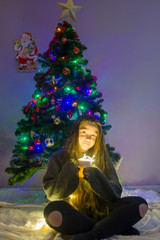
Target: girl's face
pixel 87 136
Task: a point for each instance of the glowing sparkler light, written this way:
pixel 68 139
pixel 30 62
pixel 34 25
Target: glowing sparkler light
pixel 87 158
pixel 41 223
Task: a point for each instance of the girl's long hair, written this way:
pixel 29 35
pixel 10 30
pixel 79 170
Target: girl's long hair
pixel 97 205
pixel 99 149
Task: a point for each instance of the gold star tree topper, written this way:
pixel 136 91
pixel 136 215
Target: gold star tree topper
pixel 69 10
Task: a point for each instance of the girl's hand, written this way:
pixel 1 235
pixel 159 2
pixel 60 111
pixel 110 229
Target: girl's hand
pixel 85 173
pixel 81 165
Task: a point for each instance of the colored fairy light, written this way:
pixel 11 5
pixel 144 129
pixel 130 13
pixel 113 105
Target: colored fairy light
pixel 74 104
pixel 55 89
pixel 74 62
pixel 58 29
pixel 88 91
pixel 67 89
pixel 23 139
pixel 24 147
pixel 89 112
pixel 73 91
pixel 53 57
pixel 44 99
pixel 34 101
pixel 38 147
pixel 81 107
pixel 37 95
pixel 30 148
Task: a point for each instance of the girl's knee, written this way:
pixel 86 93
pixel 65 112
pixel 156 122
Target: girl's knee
pixel 143 207
pixel 55 218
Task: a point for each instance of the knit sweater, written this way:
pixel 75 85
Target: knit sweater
pixel 61 179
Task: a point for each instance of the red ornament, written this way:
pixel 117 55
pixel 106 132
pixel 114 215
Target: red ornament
pixel 63 29
pixel 76 50
pixel 53 101
pixel 55 40
pixel 64 40
pixel 66 71
pixel 33 117
pixel 29 104
pixel 57 108
pixel 34 101
pixel 94 78
pixel 37 109
pixel 26 109
pixel 70 114
pixel 37 141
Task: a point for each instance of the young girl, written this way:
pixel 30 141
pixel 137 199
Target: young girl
pixel 88 204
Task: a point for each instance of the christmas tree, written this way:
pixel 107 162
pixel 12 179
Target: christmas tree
pixel 65 89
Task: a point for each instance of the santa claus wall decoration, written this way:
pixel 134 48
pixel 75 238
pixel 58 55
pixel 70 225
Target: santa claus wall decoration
pixel 26 49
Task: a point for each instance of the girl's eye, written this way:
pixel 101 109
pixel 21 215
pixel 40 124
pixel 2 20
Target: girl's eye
pixel 83 132
pixel 93 136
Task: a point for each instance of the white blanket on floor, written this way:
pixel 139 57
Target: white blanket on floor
pixel 21 215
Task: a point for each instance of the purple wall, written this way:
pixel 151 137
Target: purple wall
pixel 123 41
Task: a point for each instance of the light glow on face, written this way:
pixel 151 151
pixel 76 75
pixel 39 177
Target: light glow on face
pixel 87 136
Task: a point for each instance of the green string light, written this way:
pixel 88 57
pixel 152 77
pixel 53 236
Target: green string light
pixel 24 147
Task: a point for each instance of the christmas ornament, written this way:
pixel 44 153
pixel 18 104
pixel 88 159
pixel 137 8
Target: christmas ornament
pixel 64 40
pixel 57 121
pixel 46 104
pixel 57 108
pixel 37 141
pixel 97 114
pixel 66 71
pixel 94 78
pixel 70 113
pixel 79 111
pixel 53 79
pixel 32 133
pixel 55 40
pixel 53 101
pixel 69 10
pixel 33 117
pixel 49 142
pixel 37 109
pixel 76 50
pixel 26 49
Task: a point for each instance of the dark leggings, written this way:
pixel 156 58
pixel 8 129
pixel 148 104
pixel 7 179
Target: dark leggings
pixel 123 213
